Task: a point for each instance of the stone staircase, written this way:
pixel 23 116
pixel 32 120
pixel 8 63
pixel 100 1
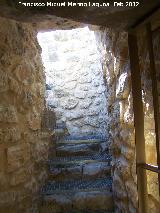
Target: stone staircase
pixel 79 176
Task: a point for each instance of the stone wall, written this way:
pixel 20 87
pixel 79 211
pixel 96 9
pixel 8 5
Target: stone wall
pixel 23 144
pixel 120 113
pixel 74 80
pixel 116 70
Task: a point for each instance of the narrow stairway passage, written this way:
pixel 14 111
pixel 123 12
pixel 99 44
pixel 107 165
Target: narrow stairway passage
pixel 79 176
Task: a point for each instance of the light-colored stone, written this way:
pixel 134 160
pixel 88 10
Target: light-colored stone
pixel 75 79
pixel 70 103
pixel 95 169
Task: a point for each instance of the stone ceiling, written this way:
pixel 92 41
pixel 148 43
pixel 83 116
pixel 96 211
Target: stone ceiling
pixel 121 18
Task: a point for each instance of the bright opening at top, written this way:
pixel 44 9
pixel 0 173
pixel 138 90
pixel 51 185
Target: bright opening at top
pixel 74 80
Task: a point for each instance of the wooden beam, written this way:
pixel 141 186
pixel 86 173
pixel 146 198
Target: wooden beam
pixel 154 93
pixel 149 167
pixel 153 18
pixel 138 122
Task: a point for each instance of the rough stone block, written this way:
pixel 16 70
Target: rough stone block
pixel 92 122
pixel 80 94
pixel 123 86
pixel 8 114
pixel 18 177
pixel 70 103
pixel 85 104
pixel 17 156
pixel 34 120
pixel 4 81
pixel 10 135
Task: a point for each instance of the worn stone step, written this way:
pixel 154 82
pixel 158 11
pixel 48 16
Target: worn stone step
pixel 78 202
pixel 81 195
pixel 78 149
pixel 82 139
pixel 83 171
pixel 91 166
pixel 77 185
pixel 104 157
pixel 79 141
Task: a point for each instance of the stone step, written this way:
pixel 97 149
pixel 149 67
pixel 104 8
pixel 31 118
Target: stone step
pixel 73 149
pixel 104 156
pixel 80 167
pixel 86 171
pixel 83 139
pixel 78 196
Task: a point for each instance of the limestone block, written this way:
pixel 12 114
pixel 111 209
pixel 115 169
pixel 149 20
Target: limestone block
pixel 93 112
pixel 132 192
pixel 23 72
pixel 74 115
pixel 59 81
pixel 84 87
pixel 84 80
pixel 14 86
pixel 80 94
pixel 8 114
pixel 61 93
pixel 18 177
pixel 70 85
pixel 53 56
pixel 101 90
pixel 123 168
pixel 70 103
pixel 96 83
pixel 7 197
pixel 78 123
pixel 4 81
pixel 17 156
pixel 85 104
pixel 91 94
pixel 127 134
pixel 133 170
pixel 59 113
pixel 97 101
pixel 72 77
pixel 10 135
pixel 34 120
pixel 40 89
pixel 127 152
pixel 91 121
pixel 28 98
pixel 119 189
pixel 123 87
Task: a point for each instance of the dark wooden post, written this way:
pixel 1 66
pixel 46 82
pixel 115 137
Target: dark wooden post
pixel 155 94
pixel 138 123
